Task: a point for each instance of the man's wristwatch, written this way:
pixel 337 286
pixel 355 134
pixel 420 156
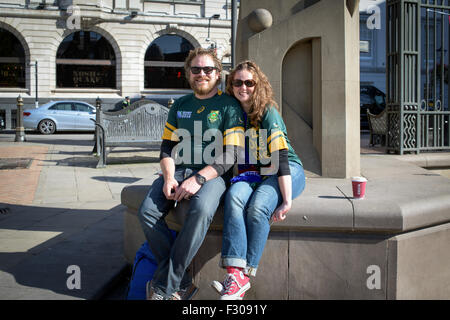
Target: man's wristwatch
pixel 200 179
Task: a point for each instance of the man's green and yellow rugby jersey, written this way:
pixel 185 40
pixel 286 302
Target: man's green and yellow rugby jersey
pixel 189 118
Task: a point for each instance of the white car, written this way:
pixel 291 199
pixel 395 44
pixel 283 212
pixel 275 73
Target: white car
pixel 59 116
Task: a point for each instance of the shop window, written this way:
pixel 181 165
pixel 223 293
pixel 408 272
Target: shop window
pixel 164 63
pixel 13 119
pixel 85 59
pixel 2 119
pixel 12 61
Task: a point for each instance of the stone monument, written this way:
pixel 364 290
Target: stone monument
pixel 310 52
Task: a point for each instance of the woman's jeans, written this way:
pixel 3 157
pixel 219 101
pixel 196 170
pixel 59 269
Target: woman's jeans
pixel 247 216
pixel 174 255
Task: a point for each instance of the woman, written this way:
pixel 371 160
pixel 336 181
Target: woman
pixel 255 198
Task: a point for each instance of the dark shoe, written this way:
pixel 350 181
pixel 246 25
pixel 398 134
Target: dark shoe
pixel 151 294
pixel 187 293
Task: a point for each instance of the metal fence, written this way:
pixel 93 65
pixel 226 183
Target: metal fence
pixel 417 77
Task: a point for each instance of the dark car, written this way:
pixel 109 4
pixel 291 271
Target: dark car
pixel 373 99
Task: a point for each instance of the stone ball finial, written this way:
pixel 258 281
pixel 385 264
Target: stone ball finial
pixel 259 20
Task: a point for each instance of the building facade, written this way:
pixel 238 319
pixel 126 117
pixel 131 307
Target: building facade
pixel 84 49
pixel 372 34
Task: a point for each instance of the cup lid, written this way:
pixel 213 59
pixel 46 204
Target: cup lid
pixel 359 179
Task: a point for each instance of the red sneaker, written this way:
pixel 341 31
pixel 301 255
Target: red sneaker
pixel 235 285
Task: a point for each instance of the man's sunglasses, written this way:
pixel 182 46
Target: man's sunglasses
pixel 206 70
pixel 239 83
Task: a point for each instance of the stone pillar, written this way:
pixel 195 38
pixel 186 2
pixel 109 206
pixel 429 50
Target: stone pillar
pixel 310 53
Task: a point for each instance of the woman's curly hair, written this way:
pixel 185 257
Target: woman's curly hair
pixel 262 95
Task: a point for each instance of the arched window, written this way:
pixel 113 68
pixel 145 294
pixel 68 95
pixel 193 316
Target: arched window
pixel 164 62
pixel 12 61
pixel 85 59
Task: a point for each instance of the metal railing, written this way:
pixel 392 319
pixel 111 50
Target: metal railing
pixel 417 77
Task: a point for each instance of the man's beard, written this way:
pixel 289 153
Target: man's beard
pixel 202 91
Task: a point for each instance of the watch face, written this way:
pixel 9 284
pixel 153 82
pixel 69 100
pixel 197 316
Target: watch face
pixel 200 179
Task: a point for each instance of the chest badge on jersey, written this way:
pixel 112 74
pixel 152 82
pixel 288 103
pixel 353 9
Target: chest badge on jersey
pixel 213 116
pixel 200 110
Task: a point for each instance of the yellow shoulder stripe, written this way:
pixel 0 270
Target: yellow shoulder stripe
pixel 169 135
pixel 234 129
pixel 279 143
pixel 168 125
pixel 274 134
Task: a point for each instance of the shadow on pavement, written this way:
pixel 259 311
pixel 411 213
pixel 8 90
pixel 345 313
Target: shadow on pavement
pixel 40 244
pixel 91 161
pixel 127 180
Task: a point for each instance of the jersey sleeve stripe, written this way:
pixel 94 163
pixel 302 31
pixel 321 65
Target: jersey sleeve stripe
pixel 171 127
pixel 235 139
pixel 232 130
pixel 274 135
pixel 278 143
pixel 169 135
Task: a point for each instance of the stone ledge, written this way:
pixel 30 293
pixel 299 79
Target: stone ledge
pixel 427 160
pixel 324 249
pixel 399 197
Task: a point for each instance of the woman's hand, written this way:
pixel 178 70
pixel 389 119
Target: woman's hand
pixel 280 213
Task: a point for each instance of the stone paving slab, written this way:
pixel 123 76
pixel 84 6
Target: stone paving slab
pixel 19 185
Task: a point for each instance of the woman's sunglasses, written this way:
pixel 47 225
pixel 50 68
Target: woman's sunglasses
pixel 206 70
pixel 239 83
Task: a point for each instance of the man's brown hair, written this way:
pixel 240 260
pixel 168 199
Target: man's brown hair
pixel 201 52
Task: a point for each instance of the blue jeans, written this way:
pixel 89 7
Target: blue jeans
pixel 174 255
pixel 247 215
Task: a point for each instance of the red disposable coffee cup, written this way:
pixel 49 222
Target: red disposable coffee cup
pixel 359 187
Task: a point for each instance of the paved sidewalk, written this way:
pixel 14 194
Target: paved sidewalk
pixel 19 185
pixel 61 218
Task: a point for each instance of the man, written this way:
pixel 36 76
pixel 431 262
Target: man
pixel 126 103
pixel 192 180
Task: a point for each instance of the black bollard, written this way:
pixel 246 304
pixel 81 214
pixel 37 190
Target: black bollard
pixel 20 130
pixel 98 109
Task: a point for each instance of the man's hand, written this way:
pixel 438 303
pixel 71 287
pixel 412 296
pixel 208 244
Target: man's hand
pixel 187 189
pixel 169 188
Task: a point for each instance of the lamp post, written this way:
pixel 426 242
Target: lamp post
pixel 35 65
pixel 215 16
pixel 20 130
pixel 233 31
